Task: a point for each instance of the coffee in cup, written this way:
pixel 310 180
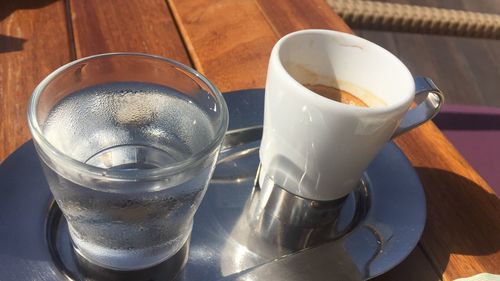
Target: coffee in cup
pixel 345 97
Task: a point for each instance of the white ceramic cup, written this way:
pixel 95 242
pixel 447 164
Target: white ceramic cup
pixel 318 148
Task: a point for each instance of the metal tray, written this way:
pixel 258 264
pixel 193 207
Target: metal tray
pixel 379 225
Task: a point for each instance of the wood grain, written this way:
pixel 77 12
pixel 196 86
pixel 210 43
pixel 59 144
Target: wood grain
pixel 229 41
pixel 460 204
pixel 33 42
pixel 102 26
pixel 286 16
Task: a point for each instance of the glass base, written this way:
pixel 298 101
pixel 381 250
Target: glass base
pixel 127 259
pixel 166 270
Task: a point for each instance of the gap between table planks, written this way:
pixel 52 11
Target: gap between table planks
pixel 39 36
pixel 103 26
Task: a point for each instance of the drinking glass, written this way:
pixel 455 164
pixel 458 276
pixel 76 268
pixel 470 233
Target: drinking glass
pixel 128 143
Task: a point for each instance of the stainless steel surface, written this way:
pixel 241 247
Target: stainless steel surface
pixel 275 222
pixel 386 214
pixel 276 202
pixel 241 136
pixel 429 100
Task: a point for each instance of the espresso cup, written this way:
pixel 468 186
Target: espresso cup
pixel 316 147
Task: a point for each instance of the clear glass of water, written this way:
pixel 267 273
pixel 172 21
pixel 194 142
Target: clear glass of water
pixel 128 143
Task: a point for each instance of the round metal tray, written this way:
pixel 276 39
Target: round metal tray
pixel 379 225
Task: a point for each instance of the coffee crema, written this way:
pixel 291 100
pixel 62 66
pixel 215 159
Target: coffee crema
pixel 344 96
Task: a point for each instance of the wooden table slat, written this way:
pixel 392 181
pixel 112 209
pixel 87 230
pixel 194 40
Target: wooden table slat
pixel 102 26
pixel 33 43
pixel 229 41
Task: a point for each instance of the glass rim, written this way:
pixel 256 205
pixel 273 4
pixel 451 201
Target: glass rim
pixel 119 175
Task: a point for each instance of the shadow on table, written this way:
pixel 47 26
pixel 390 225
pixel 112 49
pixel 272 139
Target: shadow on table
pixel 460 213
pixel 11 43
pixel 7 7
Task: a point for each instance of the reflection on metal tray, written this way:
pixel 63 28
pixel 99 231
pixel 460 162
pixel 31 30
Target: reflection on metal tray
pixel 378 226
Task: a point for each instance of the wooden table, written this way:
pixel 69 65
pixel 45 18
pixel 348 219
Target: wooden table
pixel 230 42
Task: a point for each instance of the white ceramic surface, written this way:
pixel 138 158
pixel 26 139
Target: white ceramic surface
pixel 315 147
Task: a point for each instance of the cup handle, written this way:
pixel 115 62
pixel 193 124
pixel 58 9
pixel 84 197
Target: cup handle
pixel 429 100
